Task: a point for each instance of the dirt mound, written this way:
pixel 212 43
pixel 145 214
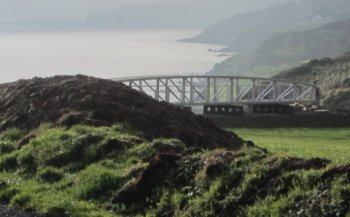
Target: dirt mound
pixel 68 100
pixel 276 177
pixel 106 170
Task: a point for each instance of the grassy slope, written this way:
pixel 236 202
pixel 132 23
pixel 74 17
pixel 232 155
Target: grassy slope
pixel 241 65
pixel 239 30
pixel 292 47
pixel 333 76
pixel 284 51
pixel 333 144
pixel 76 172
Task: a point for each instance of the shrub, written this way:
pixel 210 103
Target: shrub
pixel 7 193
pixel 50 175
pixel 164 206
pixel 57 211
pixel 27 161
pixel 3 185
pixel 96 181
pixel 12 134
pixel 8 162
pixel 111 144
pixel 55 205
pixel 6 147
pixel 20 200
pixel 56 150
pixel 63 205
pixel 167 145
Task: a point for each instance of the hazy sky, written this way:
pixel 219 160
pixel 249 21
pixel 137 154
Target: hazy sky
pixel 68 9
pixel 41 9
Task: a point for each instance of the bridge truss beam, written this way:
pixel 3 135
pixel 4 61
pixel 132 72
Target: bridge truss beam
pixel 200 90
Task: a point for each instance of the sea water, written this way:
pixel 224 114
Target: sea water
pixel 105 54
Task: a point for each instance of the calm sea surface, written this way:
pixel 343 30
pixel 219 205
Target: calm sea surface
pixel 102 54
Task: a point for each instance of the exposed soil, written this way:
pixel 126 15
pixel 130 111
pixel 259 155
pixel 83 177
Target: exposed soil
pixel 8 212
pixel 68 100
pixel 159 167
pixel 268 183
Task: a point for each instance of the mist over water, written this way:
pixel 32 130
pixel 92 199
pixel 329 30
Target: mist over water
pixel 107 54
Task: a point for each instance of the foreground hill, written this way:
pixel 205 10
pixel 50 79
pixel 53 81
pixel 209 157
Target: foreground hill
pixel 69 100
pixel 128 162
pixel 333 78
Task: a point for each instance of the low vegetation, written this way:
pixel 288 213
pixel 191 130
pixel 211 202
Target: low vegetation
pixel 333 144
pixel 242 65
pixel 332 76
pixel 161 162
pixel 109 171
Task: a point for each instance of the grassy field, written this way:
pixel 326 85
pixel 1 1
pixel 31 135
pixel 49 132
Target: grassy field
pixel 333 144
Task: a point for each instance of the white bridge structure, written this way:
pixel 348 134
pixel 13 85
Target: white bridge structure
pixel 212 90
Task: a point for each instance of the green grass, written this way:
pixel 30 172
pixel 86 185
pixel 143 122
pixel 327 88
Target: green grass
pixel 76 172
pixel 67 172
pixel 73 172
pixel 333 144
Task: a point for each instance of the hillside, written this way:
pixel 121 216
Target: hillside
pixel 239 31
pixel 280 37
pixel 120 153
pixel 333 78
pixel 292 47
pixel 229 30
pixel 284 51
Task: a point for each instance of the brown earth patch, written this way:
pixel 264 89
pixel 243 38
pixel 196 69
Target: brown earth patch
pixel 160 166
pixel 69 100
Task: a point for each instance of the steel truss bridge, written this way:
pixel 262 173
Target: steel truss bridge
pixel 213 90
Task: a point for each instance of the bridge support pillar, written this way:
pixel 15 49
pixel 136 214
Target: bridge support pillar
pixel 183 93
pixel 191 90
pixel 156 94
pixel 167 91
pixel 215 91
pixel 230 95
pixel 253 90
pixel 208 90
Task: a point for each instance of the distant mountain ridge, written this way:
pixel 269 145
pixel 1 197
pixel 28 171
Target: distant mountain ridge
pixel 287 50
pixel 329 40
pixel 227 31
pixel 195 14
pixel 259 25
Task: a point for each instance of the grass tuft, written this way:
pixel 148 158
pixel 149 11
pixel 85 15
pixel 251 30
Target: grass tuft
pixel 96 181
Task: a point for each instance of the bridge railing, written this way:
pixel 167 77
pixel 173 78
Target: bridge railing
pixel 199 90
